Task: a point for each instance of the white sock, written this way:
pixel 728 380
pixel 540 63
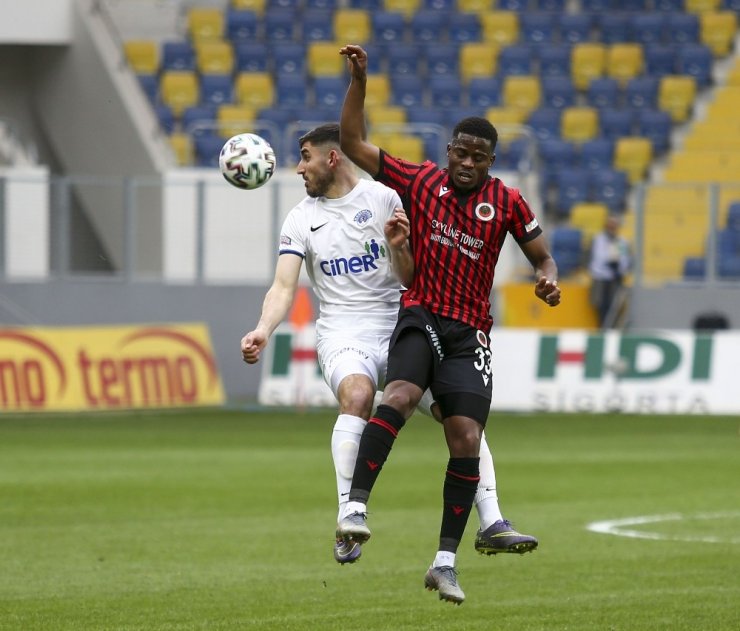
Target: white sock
pixel 353 507
pixel 486 498
pixel 444 558
pixel 345 441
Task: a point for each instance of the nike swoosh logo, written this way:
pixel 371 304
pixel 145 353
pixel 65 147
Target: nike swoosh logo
pixel 315 228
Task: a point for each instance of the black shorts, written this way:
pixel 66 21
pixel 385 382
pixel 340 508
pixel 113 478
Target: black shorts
pixel 449 357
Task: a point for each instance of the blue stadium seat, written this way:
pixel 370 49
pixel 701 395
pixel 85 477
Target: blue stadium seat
pixel 289 58
pixel 566 246
pixel 368 5
pixel 610 187
pixel 573 187
pixel 656 125
pixel 614 122
pixel 683 28
pixel 516 59
pixel 317 25
pixel 442 58
pixel 199 120
pixel 549 5
pixel 597 154
pixel 464 27
pixel 484 91
pixel 388 26
pixel 728 268
pixel 178 56
pixel 555 155
pixel 408 90
pixel 216 89
pixel 439 5
pixel 425 115
pixel 405 58
pixel 150 85
pixel 291 90
pixel 648 28
pixel 427 25
pixel 295 5
pixel 329 91
pixel 575 27
pixel 251 57
pixel 695 60
pixel 446 91
pixel 207 149
pixel 614 27
pixel 242 25
pixel 453 115
pixel 733 216
pixel 165 117
pixel 554 59
pixel 558 92
pixel 545 123
pixel 635 5
pixel 512 5
pixel 279 24
pixel 660 59
pixel 641 92
pixel 596 6
pixel 694 268
pixel 513 155
pixel 669 5
pixel 603 92
pixel 537 28
pixel 322 4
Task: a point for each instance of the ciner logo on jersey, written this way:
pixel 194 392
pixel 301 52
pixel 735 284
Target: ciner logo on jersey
pixel 360 264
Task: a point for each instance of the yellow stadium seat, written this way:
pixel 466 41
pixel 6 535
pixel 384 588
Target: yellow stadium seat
pixel 179 90
pixel 588 61
pixel 324 59
pixel 478 59
pixel 589 218
pixel 234 119
pixel 205 23
pixel 633 155
pixel 624 61
pixel 700 6
pixel 384 115
pixel 182 146
pixel 142 55
pixel 475 6
pixel 399 145
pixel 733 76
pixel 703 166
pixel 407 7
pixel 254 89
pixel 500 27
pixel 676 95
pixel 377 90
pixel 258 6
pixel 579 124
pixel 718 30
pixel 214 57
pixel 506 116
pixel 353 25
pixel 522 91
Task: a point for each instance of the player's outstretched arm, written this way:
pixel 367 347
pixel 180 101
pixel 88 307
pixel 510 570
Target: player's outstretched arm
pixel 546 270
pixel 397 232
pixel 352 122
pixel 274 308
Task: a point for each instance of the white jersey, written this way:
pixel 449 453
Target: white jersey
pixel 347 259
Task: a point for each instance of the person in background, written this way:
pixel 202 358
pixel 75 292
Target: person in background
pixel 352 234
pixel 609 263
pixel 459 217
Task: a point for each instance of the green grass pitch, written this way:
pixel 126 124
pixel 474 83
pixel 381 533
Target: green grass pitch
pixel 223 520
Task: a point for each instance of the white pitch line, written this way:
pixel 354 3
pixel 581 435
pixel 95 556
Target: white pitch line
pixel 619 527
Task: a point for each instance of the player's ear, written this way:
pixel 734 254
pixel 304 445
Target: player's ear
pixel 493 159
pixel 333 157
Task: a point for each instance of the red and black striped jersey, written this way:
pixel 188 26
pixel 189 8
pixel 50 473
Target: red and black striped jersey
pixel 456 239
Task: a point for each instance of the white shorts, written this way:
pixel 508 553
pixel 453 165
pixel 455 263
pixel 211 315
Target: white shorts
pixel 346 353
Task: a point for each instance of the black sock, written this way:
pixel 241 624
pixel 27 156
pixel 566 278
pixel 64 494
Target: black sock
pixel 461 483
pixel 375 445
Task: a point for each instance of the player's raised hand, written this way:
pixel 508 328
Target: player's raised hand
pixel 356 60
pixel 252 344
pixel 397 229
pixel 547 291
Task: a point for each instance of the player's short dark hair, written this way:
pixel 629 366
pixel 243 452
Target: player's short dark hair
pixel 478 127
pixel 321 135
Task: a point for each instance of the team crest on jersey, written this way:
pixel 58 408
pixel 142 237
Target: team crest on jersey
pixel 485 211
pixel 284 240
pixel 363 216
pixel 482 338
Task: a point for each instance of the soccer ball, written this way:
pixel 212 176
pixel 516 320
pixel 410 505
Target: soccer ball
pixel 247 161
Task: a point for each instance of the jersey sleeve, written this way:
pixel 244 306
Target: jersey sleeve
pixel 524 226
pixel 396 173
pixel 293 235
